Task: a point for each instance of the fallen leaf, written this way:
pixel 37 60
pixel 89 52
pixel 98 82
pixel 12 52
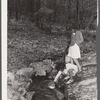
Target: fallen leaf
pixel 29 95
pixel 15 97
pixel 10 76
pixel 24 71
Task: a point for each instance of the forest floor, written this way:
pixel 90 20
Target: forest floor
pixel 28 47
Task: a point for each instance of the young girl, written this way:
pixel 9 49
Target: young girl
pixel 74 48
pixel 70 70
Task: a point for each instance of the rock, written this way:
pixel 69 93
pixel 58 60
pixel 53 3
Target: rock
pixel 19 82
pixel 59 94
pixel 25 72
pixel 16 84
pixel 84 90
pixel 15 98
pixel 10 76
pixel 42 67
pixel 29 95
pixel 46 95
pixel 10 92
pixel 90 59
pixel 87 82
pixel 44 92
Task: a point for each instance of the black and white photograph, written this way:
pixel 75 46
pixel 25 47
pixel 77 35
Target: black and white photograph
pixel 51 49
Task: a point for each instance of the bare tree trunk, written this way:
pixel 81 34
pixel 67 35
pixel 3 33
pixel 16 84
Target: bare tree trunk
pixel 68 15
pixel 90 22
pixel 55 11
pixel 77 11
pixel 9 9
pixel 81 14
pixel 37 17
pixel 17 7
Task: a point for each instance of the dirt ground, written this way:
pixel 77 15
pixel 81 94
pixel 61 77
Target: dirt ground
pixel 27 45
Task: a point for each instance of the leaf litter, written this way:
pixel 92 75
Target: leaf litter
pixel 27 51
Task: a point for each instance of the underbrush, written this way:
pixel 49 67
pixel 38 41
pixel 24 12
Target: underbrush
pixel 28 45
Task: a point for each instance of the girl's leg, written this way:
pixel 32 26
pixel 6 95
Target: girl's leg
pixel 57 76
pixel 71 76
pixel 70 73
pixel 77 63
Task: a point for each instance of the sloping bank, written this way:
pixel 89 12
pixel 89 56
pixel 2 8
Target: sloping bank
pixel 84 87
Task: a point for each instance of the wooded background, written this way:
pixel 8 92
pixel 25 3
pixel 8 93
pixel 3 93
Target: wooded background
pixel 80 14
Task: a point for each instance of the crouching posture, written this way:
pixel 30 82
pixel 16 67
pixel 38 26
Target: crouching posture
pixel 70 70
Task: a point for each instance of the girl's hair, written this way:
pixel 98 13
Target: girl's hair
pixel 74 30
pixel 60 66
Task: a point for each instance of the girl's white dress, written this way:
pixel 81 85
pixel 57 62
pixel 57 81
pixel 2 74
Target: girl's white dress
pixel 74 51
